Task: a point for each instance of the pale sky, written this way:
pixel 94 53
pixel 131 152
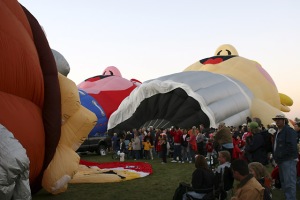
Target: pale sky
pixel 149 39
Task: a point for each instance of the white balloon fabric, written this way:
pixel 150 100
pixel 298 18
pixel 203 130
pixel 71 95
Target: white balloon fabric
pixel 217 97
pixel 14 168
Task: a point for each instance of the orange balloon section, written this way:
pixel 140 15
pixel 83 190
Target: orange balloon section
pixel 21 85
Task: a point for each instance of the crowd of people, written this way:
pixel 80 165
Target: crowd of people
pixel 245 150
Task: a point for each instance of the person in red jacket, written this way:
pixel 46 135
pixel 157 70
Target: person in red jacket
pixel 176 133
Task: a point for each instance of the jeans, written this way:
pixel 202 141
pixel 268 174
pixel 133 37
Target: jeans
pixel 177 152
pixel 288 178
pixel 137 154
pixel 185 153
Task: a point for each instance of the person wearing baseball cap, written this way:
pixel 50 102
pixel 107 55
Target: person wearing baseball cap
pixel 286 155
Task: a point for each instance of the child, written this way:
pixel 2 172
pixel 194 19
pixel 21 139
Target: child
pixel 209 148
pixel 163 145
pixel 147 148
pixel 158 146
pixel 130 148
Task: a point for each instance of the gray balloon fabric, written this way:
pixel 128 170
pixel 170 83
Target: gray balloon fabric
pixel 14 168
pixel 62 64
pixel 184 99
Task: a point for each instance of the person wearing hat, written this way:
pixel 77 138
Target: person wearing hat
pixel 255 147
pixel 286 156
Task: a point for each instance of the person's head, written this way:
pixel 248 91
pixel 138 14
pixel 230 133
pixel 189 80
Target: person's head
pixel 258 170
pixel 280 120
pixel 248 119
pixel 253 127
pixel 223 157
pixel 201 127
pixel 200 161
pixel 240 169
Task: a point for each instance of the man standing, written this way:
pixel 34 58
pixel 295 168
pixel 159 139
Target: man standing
pixel 286 156
pixel 248 188
pixel 200 139
pixel 176 134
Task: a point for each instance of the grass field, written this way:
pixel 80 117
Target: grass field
pixel 158 186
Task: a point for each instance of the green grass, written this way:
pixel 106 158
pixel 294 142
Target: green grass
pixel 159 185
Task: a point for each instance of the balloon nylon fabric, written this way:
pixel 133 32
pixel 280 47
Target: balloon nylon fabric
pixel 14 166
pixel 219 98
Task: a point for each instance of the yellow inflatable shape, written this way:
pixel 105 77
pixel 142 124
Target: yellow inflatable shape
pixel 266 102
pixel 77 123
pixel 285 101
pixel 96 175
pixel 226 50
pixel 70 101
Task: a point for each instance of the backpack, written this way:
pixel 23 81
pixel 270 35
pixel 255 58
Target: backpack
pixel 223 183
pixel 181 190
pixel 268 144
pixel 267 194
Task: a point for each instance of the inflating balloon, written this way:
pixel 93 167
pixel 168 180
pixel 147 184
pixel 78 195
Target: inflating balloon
pixel 223 88
pixel 91 103
pixel 39 107
pixel 103 94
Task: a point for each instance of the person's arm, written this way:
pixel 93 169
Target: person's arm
pixel 256 143
pixel 290 140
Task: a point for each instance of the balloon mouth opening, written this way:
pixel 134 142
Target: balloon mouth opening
pixel 164 110
pixel 215 59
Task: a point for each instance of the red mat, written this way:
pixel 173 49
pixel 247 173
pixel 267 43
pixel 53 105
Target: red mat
pixel 136 166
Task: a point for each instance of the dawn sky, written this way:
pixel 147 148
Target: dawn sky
pixel 149 39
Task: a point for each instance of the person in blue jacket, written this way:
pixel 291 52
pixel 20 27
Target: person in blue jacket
pixel 286 156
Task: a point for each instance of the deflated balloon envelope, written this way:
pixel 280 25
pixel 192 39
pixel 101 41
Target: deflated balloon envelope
pixel 184 99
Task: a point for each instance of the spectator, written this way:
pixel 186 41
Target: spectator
pixel 202 179
pixel 263 177
pixel 136 146
pixel 255 148
pixel 151 140
pixel 223 175
pixel 192 146
pixel 209 149
pixel 286 156
pixel 238 148
pixel 147 148
pixel 297 129
pixel 184 146
pixel 163 144
pixel 248 188
pixel 200 140
pixel 115 142
pixel 224 138
pixel 176 133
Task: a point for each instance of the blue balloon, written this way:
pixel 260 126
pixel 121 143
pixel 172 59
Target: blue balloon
pixel 90 103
